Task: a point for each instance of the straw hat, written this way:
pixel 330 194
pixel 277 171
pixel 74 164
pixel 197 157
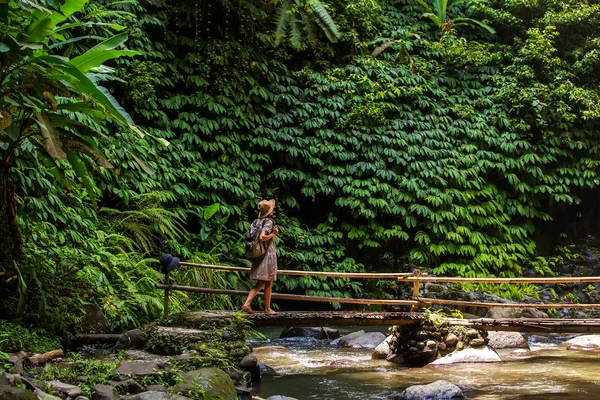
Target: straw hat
pixel 265 208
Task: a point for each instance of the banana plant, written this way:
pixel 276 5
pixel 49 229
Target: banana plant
pixel 297 16
pixel 438 13
pixel 50 103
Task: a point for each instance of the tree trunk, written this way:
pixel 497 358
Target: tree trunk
pixel 11 245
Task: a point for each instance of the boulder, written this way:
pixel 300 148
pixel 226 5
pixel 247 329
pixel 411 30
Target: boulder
pixel 481 355
pixel 313 332
pixel 105 392
pixel 250 361
pixel 65 389
pixel 433 391
pixel 500 312
pixel 210 382
pixel 368 340
pixel 130 340
pixel 155 396
pixel 507 340
pixel 350 336
pixel 16 393
pixel 587 342
pixel 382 351
pixel 138 368
pixel 170 341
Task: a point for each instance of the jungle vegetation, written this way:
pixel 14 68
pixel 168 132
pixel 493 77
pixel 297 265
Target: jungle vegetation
pixel 461 137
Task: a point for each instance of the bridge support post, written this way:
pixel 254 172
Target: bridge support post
pixel 166 301
pixel 415 294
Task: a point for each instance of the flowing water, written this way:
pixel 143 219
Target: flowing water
pixel 312 369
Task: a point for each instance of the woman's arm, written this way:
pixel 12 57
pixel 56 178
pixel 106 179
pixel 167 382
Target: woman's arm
pixel 264 236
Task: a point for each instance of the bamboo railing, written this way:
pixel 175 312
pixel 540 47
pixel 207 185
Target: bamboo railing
pixel 416 277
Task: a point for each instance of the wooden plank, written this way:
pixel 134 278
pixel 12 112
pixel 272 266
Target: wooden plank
pixel 361 275
pixel 336 318
pixel 289 296
pixel 426 300
pixel 500 280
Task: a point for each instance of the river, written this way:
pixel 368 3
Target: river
pixel 311 369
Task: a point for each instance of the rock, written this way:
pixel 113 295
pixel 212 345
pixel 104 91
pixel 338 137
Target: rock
pixel 499 313
pixel 472 333
pixel 243 393
pixel 313 332
pixel 368 340
pixel 94 320
pixel 156 388
pixel 210 382
pixel 271 349
pixel 16 393
pixel 130 340
pixel 481 355
pixel 128 386
pixel 16 359
pixel 451 339
pixel 168 341
pixel 156 396
pixel 105 392
pixel 81 398
pixel 507 340
pixel 266 370
pixel 9 379
pixel 477 342
pixel 396 359
pixel 65 389
pixel 140 355
pixel 382 351
pixel 433 391
pixel 45 396
pixel 338 341
pixel 541 339
pixel 250 361
pixel 279 397
pixel 588 342
pixel 138 368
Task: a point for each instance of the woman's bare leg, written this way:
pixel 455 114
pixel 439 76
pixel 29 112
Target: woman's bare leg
pixel 268 291
pixel 253 292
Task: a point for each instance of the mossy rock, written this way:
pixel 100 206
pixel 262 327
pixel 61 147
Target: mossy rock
pixel 207 384
pixel 175 340
pixel 15 393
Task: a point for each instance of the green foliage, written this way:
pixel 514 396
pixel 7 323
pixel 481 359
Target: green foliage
pixel 14 338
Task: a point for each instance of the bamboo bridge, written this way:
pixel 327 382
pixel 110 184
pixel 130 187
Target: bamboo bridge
pixel 410 317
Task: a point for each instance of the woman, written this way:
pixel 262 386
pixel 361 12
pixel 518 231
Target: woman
pixel 264 269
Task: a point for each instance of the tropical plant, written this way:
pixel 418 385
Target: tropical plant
pixel 294 17
pixel 48 102
pixel 438 13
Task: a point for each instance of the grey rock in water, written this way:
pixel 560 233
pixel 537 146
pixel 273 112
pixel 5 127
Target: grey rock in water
pixel 266 370
pixel 338 341
pixel 368 340
pixel 279 397
pixel 437 390
pixel 591 342
pixel 313 332
pixel 250 361
pixel 382 351
pixel 507 340
pixel 480 355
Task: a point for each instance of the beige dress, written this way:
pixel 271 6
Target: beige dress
pixel 265 268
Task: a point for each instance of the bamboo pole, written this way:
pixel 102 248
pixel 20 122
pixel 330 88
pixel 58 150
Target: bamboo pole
pixel 289 296
pixel 166 301
pixel 504 305
pixel 582 279
pixel 362 275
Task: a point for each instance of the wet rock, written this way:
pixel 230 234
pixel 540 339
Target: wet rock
pixel 433 391
pixel 345 338
pixel 248 362
pixel 130 340
pixel 382 351
pixel 368 340
pixel 208 382
pixel 396 359
pixel 585 342
pixel 539 339
pixel 138 368
pixel 451 339
pixel 507 340
pixel 481 355
pixel 128 386
pixel 279 397
pixel 243 393
pixel 105 392
pixel 313 332
pixel 265 370
pixel 155 396
pixel 64 389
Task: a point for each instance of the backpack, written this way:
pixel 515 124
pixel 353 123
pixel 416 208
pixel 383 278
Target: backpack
pixel 254 247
